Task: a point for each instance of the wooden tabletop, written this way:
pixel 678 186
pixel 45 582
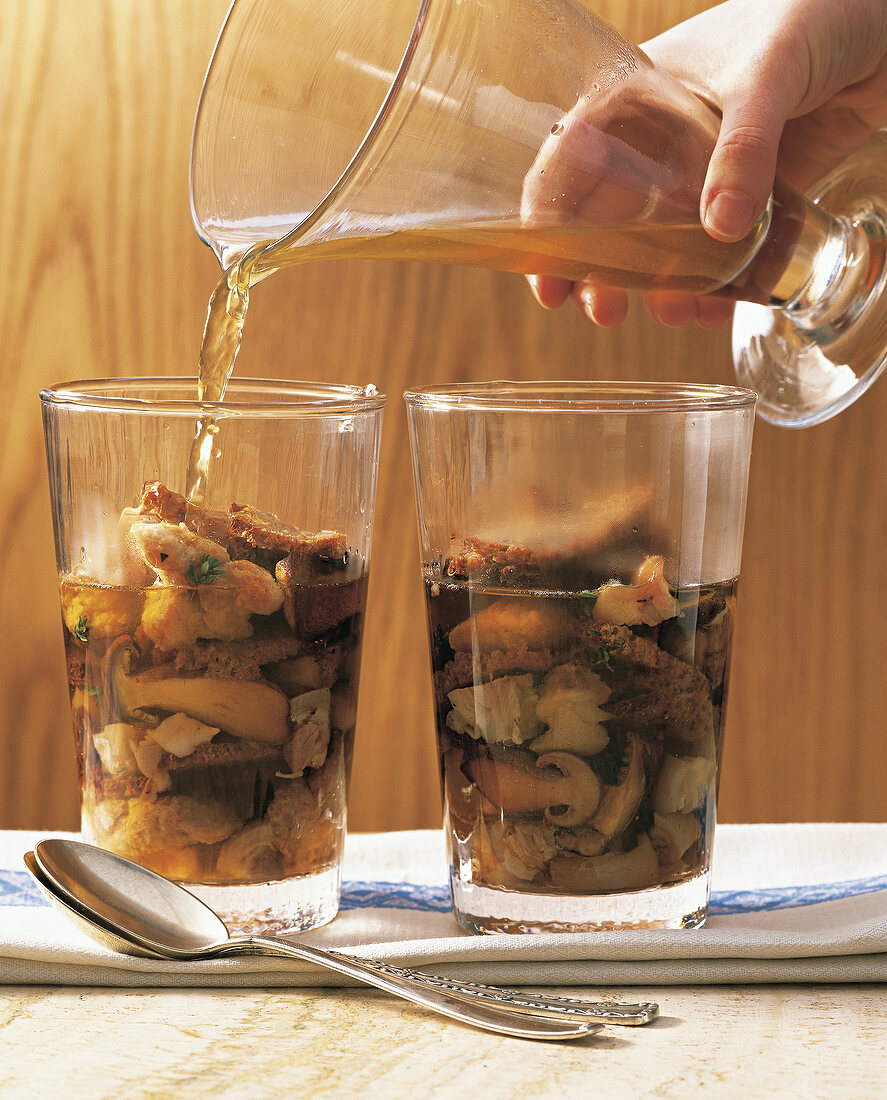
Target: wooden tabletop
pixel 719 1041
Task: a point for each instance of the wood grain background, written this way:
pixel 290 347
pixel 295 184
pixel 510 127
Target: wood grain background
pixel 104 275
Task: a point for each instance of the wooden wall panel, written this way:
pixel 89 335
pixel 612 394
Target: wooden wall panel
pixel 105 276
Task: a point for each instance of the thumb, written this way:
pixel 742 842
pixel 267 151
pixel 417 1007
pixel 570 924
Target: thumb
pixel 742 167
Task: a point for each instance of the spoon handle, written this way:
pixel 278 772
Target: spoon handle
pixel 490 1017
pixel 513 1000
pixel 600 1012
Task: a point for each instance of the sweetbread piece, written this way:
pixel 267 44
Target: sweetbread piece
pixel 303 829
pixel 510 621
pixel 135 828
pixel 200 591
pixel 101 611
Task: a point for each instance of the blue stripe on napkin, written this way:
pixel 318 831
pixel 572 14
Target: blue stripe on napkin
pixel 395 895
pixel 19 889
pixel 790 897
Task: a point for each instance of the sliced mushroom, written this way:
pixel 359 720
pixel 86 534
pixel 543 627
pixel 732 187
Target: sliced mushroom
pixel 252 709
pixel 559 779
pixel 648 600
pixel 602 874
pixel 114 745
pixel 511 853
pixel 310 715
pixel 683 784
pixel 619 804
pixel 180 734
pixel 465 803
pixel 343 707
pixel 523 848
pixel 673 834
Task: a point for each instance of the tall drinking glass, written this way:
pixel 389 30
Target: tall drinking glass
pixel 213 648
pixel 580 549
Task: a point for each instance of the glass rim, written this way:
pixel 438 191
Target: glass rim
pixel 255 397
pixel 571 396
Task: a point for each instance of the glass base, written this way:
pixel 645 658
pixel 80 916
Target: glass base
pixel 288 905
pixel 486 909
pixel 808 364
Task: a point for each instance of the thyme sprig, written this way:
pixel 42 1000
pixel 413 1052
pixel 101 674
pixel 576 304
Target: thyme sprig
pixel 209 570
pixel 604 651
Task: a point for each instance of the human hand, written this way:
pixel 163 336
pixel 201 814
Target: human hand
pixel 799 85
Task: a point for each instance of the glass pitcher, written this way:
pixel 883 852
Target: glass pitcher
pixel 529 136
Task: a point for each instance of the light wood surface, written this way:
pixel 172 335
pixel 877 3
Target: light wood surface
pixel 818 1042
pixel 104 275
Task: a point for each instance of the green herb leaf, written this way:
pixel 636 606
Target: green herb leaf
pixel 605 652
pixel 82 629
pixel 210 569
pixel 587 600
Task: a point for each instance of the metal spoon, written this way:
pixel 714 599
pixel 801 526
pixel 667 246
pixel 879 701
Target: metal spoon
pixel 80 879
pixel 128 908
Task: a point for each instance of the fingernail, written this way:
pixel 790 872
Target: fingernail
pixel 533 282
pixel 729 214
pixel 587 299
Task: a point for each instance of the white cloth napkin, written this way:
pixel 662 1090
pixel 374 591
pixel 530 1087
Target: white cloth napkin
pixel 790 903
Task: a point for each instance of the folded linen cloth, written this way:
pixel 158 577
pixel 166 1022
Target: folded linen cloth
pixel 790 903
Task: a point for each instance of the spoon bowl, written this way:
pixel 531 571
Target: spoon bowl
pixel 144 909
